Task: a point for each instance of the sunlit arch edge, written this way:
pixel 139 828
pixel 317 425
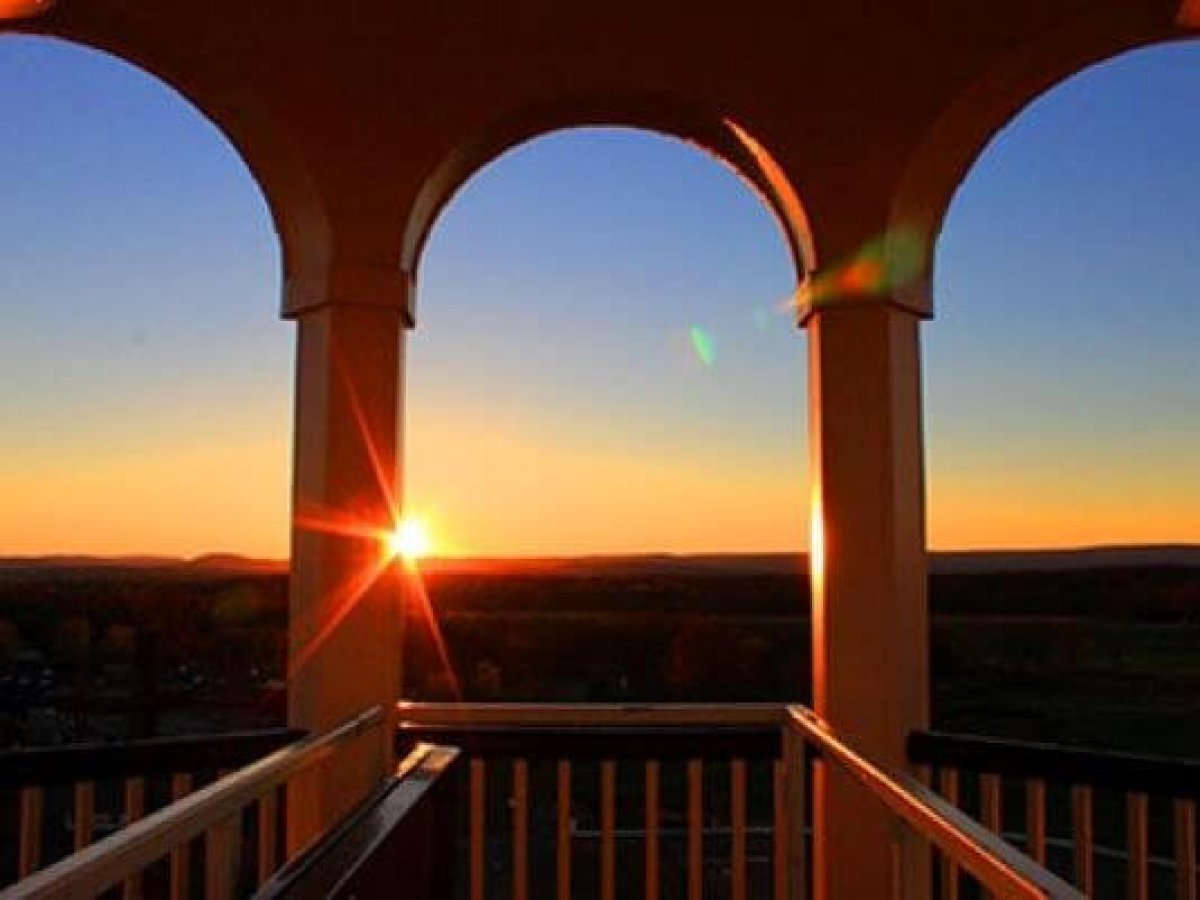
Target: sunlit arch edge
pixel 977 114
pixel 720 136
pixel 274 165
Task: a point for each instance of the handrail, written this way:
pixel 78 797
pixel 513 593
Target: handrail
pixel 1073 765
pixel 403 821
pixel 38 766
pixel 999 867
pixel 516 715
pixel 107 862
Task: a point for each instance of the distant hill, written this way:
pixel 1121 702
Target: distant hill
pixel 1067 560
pixel 89 562
pixel 232 562
pixel 725 564
pixel 717 564
pixel 211 562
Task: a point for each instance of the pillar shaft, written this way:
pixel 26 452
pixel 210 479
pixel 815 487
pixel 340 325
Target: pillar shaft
pixel 344 617
pixel 870 618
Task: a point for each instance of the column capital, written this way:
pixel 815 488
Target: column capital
pixel 351 284
pixel 823 292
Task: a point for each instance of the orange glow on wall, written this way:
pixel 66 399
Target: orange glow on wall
pixel 1189 14
pixel 23 9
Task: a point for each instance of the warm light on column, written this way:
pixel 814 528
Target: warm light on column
pixel 1189 14
pixel 816 544
pixel 23 9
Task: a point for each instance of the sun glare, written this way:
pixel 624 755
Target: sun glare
pixel 410 540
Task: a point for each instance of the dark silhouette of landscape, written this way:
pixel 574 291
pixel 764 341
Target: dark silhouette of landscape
pixel 1098 646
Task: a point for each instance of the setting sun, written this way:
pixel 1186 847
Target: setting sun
pixel 410 540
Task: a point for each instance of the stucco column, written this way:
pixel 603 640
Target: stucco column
pixel 870 619
pixel 344 616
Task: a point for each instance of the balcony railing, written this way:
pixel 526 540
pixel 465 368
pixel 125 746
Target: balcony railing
pixel 607 801
pixel 660 801
pixel 1115 824
pixel 674 801
pixel 999 868
pixel 60 799
pixel 219 816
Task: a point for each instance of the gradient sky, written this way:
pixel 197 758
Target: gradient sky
pixel 601 364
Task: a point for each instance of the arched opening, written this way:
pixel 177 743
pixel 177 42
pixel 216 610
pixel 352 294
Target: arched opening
pixel 606 364
pixel 1063 402
pixel 145 380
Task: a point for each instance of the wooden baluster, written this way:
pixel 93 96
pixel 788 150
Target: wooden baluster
pixel 181 786
pixel 85 813
pixel 948 785
pixel 221 858
pixel 608 828
pixel 990 809
pixel 737 827
pixel 1083 838
pixel 30 849
pixel 478 826
pixel 695 829
pixel 1035 819
pixel 652 805
pixel 268 836
pixel 780 835
pixel 991 806
pixel 520 825
pixel 134 807
pixel 1137 812
pixel 1186 887
pixel 563 856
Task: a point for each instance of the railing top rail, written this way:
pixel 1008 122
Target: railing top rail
pixel 1072 765
pixel 601 742
pixel 1001 868
pixel 519 715
pixel 105 863
pixel 86 762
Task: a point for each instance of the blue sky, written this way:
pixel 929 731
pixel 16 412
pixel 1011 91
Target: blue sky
pixel 557 401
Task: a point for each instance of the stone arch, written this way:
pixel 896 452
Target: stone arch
pixel 274 163
pixel 974 117
pixel 723 138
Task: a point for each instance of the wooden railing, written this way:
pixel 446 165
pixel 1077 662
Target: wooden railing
pixel 65 797
pixel 1114 823
pixel 625 798
pixel 608 801
pixel 219 815
pixel 605 801
pixel 998 867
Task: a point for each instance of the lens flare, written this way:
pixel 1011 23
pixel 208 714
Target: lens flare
pixel 411 540
pixel 704 345
pixel 885 264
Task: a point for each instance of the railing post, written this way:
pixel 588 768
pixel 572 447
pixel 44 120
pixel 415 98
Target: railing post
pixel 794 773
pixel 447 800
